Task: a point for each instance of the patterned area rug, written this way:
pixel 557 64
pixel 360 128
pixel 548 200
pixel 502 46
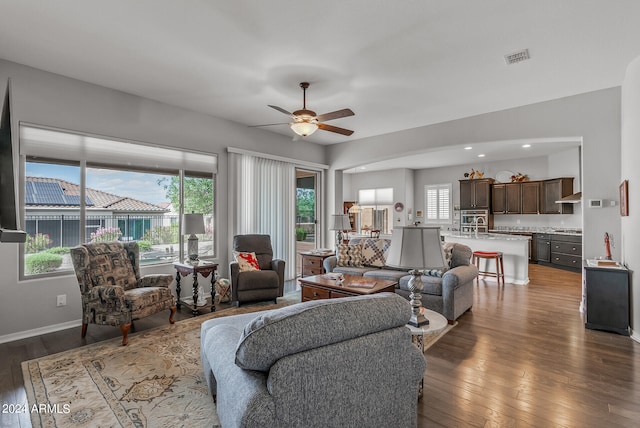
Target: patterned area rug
pixel 156 381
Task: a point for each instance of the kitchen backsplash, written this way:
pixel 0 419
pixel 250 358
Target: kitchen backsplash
pixel 538 221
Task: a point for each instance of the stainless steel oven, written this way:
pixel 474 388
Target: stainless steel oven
pixel 469 218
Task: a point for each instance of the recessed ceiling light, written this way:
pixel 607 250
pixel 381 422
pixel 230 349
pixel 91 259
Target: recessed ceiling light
pixel 468 148
pixel 526 146
pixel 481 155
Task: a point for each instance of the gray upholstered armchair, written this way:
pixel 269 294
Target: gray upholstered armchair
pixel 113 293
pixel 264 284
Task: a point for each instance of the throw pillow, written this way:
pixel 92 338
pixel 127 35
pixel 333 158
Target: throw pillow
pixel 355 255
pixel 343 255
pixel 448 253
pixel 247 261
pixel 374 252
pixel 435 272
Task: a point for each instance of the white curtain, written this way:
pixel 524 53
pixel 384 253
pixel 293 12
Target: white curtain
pixel 262 193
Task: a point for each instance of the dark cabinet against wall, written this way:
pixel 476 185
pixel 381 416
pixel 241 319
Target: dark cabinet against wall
pixel 607 299
pixel 552 190
pixel 475 194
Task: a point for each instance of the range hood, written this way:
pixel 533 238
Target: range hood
pixel 571 199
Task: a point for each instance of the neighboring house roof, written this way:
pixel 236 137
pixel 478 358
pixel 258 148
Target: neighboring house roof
pixel 41 192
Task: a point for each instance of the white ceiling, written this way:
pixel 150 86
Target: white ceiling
pixel 397 64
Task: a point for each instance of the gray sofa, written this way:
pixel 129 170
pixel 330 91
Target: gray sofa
pixel 450 295
pixel 322 363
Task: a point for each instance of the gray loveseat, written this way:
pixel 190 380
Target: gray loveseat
pixel 322 363
pixel 450 295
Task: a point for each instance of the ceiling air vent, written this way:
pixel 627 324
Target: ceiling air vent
pixel 516 57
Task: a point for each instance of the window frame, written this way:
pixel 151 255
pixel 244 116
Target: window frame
pixel 439 188
pixel 182 173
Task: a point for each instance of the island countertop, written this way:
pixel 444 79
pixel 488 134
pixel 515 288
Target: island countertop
pixel 490 236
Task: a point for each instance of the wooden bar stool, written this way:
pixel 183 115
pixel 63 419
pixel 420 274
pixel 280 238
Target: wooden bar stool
pixel 488 255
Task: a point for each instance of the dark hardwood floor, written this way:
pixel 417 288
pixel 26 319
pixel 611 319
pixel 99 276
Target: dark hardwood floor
pixel 521 357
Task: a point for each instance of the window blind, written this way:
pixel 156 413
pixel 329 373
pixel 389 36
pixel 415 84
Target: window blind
pixel 53 144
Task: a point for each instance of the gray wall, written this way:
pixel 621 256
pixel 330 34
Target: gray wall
pixel 48 99
pixel 630 171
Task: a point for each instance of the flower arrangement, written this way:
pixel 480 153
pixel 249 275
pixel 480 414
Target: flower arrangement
pixel 519 177
pixel 105 234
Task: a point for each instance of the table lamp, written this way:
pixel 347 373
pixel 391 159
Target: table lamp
pixel 192 225
pixel 416 248
pixel 340 222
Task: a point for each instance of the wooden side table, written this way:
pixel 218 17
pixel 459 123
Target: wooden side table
pixel 203 268
pixel 312 262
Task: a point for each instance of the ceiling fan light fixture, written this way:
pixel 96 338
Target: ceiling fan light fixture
pixel 304 129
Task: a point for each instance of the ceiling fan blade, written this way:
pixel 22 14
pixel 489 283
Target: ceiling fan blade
pixel 280 109
pixel 345 112
pixel 335 129
pixel 268 124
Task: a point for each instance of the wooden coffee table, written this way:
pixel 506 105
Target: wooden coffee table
pixel 320 287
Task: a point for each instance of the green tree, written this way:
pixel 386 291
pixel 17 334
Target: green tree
pixel 305 202
pixel 198 193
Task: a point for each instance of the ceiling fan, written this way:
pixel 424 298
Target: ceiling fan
pixel 306 122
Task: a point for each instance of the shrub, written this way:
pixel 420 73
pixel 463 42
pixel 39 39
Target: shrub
pixel 106 234
pixel 144 245
pixel 37 242
pixel 58 250
pixel 42 262
pixel 163 234
pixel 301 234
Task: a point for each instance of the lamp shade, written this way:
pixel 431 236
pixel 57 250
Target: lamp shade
pixel 340 222
pixel 355 209
pixel 192 224
pixel 304 128
pixel 415 247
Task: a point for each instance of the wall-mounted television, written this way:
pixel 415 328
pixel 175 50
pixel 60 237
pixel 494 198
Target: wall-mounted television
pixel 9 230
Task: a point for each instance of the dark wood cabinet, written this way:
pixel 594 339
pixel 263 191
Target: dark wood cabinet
pixel 543 247
pixel 475 194
pixel 530 197
pixel 566 251
pixel 607 299
pixel 555 189
pixel 506 198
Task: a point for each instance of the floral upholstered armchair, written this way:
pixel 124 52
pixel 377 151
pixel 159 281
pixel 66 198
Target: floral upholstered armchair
pixel 113 293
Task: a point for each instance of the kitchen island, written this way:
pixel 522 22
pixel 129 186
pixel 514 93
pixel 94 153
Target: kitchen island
pixel 514 248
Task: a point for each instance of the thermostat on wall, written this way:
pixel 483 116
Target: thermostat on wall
pixel 595 203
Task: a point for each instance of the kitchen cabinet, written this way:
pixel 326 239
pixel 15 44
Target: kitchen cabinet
pixel 475 194
pixel 506 198
pixel 543 248
pixel 607 299
pixel 530 193
pixel 566 251
pixel 553 190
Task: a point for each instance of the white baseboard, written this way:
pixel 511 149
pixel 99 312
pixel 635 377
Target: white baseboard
pixel 38 331
pixel 635 336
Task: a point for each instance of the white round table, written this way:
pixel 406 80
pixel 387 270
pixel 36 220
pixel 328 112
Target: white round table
pixel 437 323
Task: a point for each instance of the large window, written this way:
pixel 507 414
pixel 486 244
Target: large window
pixel 376 208
pixel 438 203
pixel 80 188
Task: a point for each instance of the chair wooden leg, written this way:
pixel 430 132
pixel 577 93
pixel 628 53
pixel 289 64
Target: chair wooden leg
pixel 173 312
pixel 84 330
pixel 124 328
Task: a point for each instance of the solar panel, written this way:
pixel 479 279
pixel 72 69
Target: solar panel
pixel 50 193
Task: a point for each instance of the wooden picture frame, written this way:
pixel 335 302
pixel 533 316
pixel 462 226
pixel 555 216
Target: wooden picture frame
pixel 624 198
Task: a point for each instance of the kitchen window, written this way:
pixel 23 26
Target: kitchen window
pixel 376 205
pixel 438 203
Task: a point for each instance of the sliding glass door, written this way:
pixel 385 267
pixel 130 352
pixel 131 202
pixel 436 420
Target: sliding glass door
pixel 307 235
